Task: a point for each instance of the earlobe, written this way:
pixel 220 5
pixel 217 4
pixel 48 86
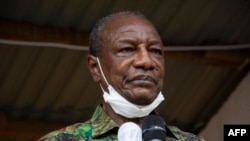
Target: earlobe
pixel 93 68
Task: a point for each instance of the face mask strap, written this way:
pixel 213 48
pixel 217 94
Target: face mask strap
pixel 99 64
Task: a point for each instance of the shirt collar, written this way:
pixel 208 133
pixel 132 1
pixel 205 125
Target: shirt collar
pixel 101 123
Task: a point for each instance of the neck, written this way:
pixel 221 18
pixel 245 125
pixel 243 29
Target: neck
pixel 118 118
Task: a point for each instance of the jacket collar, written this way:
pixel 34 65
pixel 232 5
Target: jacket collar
pixel 102 124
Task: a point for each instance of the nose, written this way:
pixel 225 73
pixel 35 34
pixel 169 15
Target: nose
pixel 143 59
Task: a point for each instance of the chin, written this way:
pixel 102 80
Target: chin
pixel 141 96
pixel 144 102
pixel 143 99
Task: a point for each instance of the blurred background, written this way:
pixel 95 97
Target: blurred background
pixel 45 84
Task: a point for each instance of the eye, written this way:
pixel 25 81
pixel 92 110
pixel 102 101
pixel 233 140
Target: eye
pixel 156 51
pixel 126 50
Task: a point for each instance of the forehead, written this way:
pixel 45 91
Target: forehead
pixel 121 21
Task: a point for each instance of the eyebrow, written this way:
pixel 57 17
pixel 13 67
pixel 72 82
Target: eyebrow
pixel 134 40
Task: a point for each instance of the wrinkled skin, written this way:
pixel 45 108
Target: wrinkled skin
pixel 132 59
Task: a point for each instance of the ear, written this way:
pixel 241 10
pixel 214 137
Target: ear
pixel 93 68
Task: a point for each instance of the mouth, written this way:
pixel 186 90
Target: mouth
pixel 143 80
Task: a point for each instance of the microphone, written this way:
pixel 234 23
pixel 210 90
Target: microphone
pixel 129 131
pixel 153 129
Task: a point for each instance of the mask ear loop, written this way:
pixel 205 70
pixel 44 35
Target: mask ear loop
pixel 99 64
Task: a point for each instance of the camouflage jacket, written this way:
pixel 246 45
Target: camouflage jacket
pixel 102 128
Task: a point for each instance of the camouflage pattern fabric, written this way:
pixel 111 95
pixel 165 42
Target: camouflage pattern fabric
pixel 102 128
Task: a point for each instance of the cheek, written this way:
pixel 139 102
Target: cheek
pixel 160 68
pixel 162 75
pixel 117 73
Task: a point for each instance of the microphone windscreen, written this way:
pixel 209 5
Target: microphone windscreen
pixel 153 128
pixel 129 131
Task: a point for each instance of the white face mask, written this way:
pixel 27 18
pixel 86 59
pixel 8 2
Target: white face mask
pixel 125 108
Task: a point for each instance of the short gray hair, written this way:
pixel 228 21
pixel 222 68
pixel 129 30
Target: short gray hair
pixel 96 40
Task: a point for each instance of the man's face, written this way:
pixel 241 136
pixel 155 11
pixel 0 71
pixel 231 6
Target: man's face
pixel 132 58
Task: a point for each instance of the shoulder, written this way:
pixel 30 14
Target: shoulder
pixel 183 136
pixel 78 131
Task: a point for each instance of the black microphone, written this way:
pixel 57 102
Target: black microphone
pixel 153 129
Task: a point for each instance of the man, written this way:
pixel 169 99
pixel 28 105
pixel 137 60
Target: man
pixel 127 60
